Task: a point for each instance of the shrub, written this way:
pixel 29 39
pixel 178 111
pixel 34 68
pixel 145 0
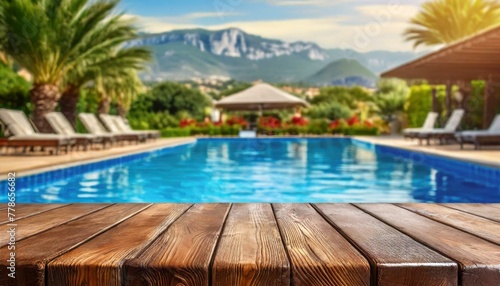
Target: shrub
pixel 332 111
pixel 14 90
pixel 361 130
pixel 176 132
pixel 318 127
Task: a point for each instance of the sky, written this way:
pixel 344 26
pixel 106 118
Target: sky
pixel 363 25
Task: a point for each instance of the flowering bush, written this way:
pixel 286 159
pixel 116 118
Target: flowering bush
pixel 237 120
pixel 299 121
pixel 353 120
pixel 269 122
pixel 187 123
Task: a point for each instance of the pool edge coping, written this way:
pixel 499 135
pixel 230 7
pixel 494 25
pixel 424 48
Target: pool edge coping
pixel 39 170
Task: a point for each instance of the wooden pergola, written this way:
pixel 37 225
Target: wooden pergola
pixel 474 58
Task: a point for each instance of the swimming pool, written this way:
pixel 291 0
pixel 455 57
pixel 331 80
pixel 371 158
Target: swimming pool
pixel 267 170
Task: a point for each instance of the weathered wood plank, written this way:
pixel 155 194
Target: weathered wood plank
pixel 23 211
pixel 99 261
pixel 33 253
pixel 399 259
pixel 478 226
pixel 32 225
pixel 478 258
pixel 319 255
pixel 251 251
pixel 487 211
pixel 181 255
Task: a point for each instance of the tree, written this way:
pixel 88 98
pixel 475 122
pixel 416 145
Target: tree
pixel 121 89
pixel 110 65
pixel 50 38
pixel 447 21
pixel 172 98
pixel 13 89
pixel 390 98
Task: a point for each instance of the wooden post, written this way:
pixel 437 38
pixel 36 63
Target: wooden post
pixel 489 104
pixel 449 87
pixel 435 105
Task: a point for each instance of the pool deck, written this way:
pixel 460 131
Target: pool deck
pixel 254 244
pixel 488 155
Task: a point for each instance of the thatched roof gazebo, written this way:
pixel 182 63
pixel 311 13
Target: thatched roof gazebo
pixel 474 58
pixel 261 96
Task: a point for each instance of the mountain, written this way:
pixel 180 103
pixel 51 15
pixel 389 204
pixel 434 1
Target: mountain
pixel 232 53
pixel 343 72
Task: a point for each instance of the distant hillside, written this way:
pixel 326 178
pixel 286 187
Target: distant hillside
pixel 343 72
pixel 232 53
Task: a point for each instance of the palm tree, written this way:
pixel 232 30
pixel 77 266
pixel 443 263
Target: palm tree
pixel 446 21
pixel 50 38
pixel 108 65
pixel 122 88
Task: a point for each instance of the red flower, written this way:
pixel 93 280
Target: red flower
pixel 335 124
pixel 236 120
pixel 353 120
pixel 368 124
pixel 187 123
pixel 299 121
pixel 269 122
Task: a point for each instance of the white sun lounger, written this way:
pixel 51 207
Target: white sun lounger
pixel 61 125
pixel 491 136
pixel 20 133
pixel 124 127
pixel 429 123
pixel 113 127
pixel 448 132
pixel 94 126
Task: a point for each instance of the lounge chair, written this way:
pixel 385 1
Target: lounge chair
pixel 113 127
pixel 446 133
pixel 429 123
pixel 125 127
pixel 20 133
pixel 481 137
pixel 61 125
pixel 94 126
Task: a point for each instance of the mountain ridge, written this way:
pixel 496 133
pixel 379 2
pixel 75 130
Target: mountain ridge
pixel 197 53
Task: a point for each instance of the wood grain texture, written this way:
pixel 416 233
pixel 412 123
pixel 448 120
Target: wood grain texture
pixel 34 252
pixel 319 255
pixel 99 261
pixel 22 211
pixel 478 258
pixel 399 259
pixel 478 226
pixel 181 255
pixel 489 211
pixel 32 225
pixel 250 250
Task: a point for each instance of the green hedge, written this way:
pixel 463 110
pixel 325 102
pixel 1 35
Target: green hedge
pixel 224 130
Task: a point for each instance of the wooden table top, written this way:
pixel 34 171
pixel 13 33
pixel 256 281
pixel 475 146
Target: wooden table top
pixel 253 244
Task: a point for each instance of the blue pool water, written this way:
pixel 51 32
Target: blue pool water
pixel 267 170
